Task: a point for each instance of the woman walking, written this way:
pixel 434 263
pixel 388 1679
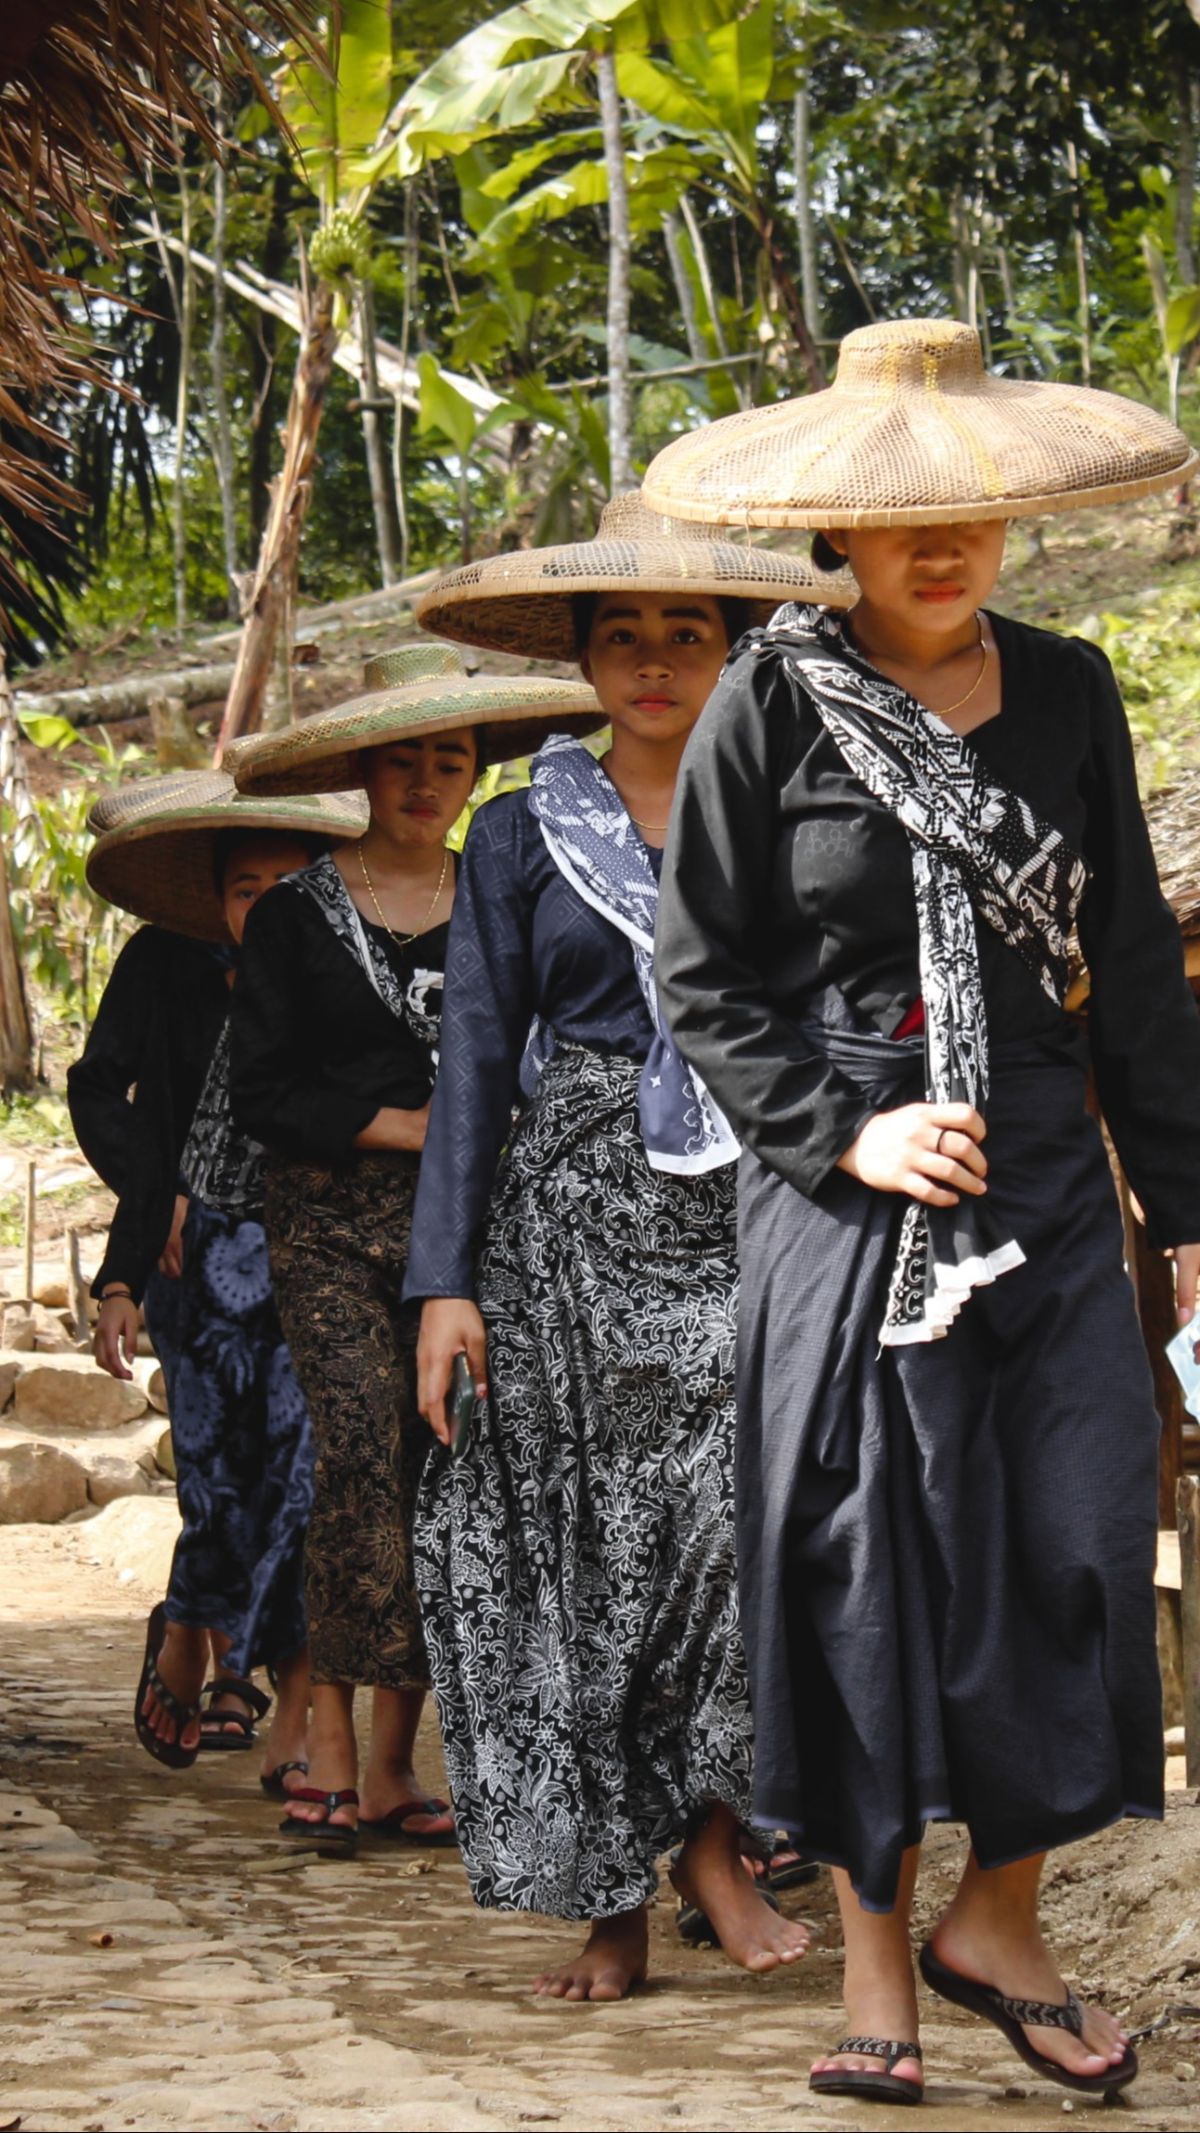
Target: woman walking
pixel 187 851
pixel 575 1555
pixel 335 1037
pixel 885 828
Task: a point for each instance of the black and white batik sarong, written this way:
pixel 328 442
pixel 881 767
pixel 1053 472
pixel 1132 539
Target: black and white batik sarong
pixel 976 847
pixel 576 1563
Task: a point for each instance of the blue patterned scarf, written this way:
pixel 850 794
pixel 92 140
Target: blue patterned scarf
pixel 594 845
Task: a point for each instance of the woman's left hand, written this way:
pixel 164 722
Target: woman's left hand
pixel 1187 1275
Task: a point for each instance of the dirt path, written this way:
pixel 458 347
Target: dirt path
pixel 168 1965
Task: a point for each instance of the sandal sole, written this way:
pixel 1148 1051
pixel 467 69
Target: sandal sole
pixel 978 2000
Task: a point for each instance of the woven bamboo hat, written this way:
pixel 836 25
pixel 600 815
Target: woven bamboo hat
pixel 423 689
pixel 916 432
pixel 522 602
pixel 157 843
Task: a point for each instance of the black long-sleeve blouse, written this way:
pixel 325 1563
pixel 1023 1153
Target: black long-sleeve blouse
pixel 522 943
pixel 784 876
pixel 154 1034
pixel 314 1051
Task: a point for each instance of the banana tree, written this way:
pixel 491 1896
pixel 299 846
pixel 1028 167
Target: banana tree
pixel 540 59
pixel 336 105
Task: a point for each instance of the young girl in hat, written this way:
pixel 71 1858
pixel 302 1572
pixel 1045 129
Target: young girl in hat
pixel 575 1551
pixel 187 850
pixel 885 828
pixel 335 1037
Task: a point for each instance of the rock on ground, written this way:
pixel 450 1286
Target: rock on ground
pixel 39 1484
pixel 110 1476
pixel 71 1392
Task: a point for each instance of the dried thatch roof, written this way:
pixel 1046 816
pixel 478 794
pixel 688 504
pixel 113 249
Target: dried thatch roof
pixel 88 93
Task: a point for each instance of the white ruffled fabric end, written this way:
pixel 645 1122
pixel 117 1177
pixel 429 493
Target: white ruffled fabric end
pixel 953 1284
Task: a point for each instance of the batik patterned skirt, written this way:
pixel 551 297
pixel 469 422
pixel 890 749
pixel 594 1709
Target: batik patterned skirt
pixel 339 1246
pixel 947 1550
pixel 576 1561
pixel 243 1449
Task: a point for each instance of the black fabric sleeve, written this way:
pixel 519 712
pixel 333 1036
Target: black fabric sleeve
pixel 114 1058
pixel 784 1101
pixel 1143 1023
pixel 275 1097
pixel 487 1009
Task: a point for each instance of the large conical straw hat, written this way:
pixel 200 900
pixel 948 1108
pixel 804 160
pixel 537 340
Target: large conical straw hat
pixel 157 843
pixel 424 688
pixel 523 602
pixel 916 432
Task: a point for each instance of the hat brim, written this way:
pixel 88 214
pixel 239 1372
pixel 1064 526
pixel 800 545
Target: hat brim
pixel 164 871
pixel 1007 448
pixel 324 754
pixel 523 603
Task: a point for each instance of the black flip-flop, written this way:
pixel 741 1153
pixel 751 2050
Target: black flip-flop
pixel 272 1780
pixel 393 1826
pixel 796 1873
pixel 215 1736
pixel 326 1836
pixel 1012 2017
pixel 860 2081
pixel 184 1714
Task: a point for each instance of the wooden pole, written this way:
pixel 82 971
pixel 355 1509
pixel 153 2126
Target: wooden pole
pixel 1188 1512
pixel 76 1287
pixel 1155 1284
pixel 30 1226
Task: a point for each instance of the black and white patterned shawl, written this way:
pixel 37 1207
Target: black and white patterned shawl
pixel 220 1165
pixel 975 846
pixel 590 837
pixel 419 1003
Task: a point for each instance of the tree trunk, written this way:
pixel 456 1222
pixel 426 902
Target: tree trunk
pixel 672 230
pixel 788 295
pixel 222 427
pixel 1080 247
pixel 16 1029
pixel 401 422
pixel 810 287
pixel 132 696
pixel 187 323
pixel 263 332
pixel 620 414
pixel 1185 180
pixel 704 270
pixel 290 493
pixel 378 471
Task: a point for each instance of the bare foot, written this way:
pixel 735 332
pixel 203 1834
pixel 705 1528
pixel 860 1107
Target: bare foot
pixel 1019 1964
pixel 610 1963
pixel 287 1734
pixel 711 1874
pixel 182 1662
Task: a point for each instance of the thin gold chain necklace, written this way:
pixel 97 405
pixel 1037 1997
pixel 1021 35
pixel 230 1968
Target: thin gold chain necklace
pixel 648 825
pixel 948 710
pixel 402 940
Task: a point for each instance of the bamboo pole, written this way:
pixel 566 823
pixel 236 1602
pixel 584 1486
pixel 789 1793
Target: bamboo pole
pixel 30 1236
pixel 1188 1508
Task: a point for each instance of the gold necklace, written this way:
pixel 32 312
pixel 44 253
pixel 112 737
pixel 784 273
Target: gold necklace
pixel 402 940
pixel 649 825
pixel 949 709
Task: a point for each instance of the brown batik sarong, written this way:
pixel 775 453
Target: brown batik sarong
pixel 339 1238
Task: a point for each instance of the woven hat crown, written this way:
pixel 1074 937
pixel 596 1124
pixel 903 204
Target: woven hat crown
pixel 412 663
pixel 911 355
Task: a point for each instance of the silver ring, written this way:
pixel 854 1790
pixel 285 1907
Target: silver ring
pixel 937 1147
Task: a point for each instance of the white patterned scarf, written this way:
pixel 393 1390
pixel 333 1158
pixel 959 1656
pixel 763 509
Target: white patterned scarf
pixel 593 843
pixel 975 846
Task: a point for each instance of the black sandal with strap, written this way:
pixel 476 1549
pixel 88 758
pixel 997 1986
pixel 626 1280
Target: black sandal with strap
pixel 215 1736
pixel 184 1714
pixel 326 1836
pixel 272 1780
pixel 886 2087
pixel 1013 2017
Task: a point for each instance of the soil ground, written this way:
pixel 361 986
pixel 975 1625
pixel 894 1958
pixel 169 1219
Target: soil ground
pixel 171 1964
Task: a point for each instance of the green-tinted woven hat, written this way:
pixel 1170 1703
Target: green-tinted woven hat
pixel 423 689
pixel 523 602
pixel 157 842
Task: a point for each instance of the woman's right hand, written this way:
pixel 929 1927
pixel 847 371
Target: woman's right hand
pixel 114 1343
pixel 393 1128
pixel 450 1326
pixel 930 1152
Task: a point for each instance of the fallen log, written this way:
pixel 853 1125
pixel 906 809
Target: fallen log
pixel 129 697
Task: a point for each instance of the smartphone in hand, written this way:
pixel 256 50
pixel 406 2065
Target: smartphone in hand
pixel 461 1404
